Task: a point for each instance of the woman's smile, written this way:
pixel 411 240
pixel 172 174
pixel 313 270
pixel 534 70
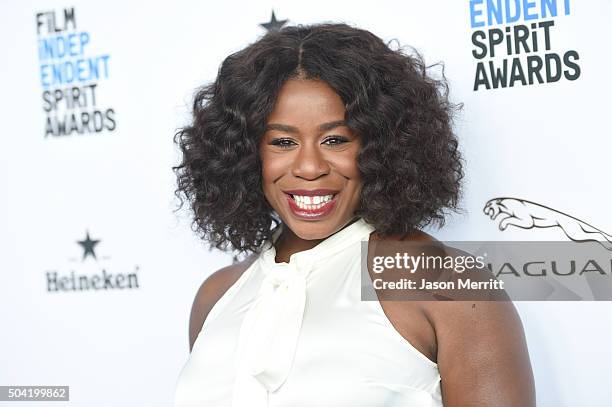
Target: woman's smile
pixel 311 204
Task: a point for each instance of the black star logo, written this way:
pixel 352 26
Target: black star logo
pixel 273 24
pixel 88 246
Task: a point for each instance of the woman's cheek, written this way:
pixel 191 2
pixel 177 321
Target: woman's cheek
pixel 347 165
pixel 273 167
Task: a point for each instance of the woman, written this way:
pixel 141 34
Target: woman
pixel 310 141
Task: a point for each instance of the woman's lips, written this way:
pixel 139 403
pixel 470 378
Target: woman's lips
pixel 312 214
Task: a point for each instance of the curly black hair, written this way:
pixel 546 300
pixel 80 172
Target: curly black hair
pixel 410 166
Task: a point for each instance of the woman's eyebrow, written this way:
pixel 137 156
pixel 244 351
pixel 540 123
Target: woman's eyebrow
pixel 282 127
pixel 332 125
pixel 291 129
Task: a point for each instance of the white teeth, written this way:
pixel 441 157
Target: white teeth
pixel 311 202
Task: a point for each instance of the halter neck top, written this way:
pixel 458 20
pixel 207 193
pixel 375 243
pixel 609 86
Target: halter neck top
pixel 297 334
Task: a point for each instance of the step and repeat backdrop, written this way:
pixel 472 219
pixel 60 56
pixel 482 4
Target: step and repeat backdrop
pixel 97 269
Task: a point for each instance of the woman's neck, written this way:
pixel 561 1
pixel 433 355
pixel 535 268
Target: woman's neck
pixel 289 243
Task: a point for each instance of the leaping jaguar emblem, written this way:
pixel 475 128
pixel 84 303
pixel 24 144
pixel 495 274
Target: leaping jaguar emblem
pixel 527 215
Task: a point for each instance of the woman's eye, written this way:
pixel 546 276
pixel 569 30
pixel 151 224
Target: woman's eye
pixel 335 140
pixel 282 142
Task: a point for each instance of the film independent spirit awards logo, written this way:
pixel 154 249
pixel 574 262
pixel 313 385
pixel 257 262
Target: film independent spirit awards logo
pixel 72 74
pixel 515 42
pixel 90 271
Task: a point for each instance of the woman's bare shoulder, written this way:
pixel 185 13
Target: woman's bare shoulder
pixel 410 318
pixel 210 291
pixel 479 344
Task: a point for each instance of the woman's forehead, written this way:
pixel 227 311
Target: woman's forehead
pixel 307 102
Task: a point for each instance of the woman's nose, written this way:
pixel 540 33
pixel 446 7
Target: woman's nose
pixel 310 163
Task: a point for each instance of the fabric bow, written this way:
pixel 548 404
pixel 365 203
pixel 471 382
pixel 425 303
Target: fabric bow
pixel 269 335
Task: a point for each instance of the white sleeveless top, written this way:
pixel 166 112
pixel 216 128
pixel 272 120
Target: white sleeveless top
pixel 298 334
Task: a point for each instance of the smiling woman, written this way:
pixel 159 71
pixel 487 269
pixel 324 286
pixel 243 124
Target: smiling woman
pixel 309 142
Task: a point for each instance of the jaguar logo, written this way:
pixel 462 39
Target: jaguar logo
pixel 527 215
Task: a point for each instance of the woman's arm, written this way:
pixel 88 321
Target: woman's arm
pixel 482 354
pixel 211 290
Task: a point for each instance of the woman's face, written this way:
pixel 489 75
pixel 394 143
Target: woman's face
pixel 309 160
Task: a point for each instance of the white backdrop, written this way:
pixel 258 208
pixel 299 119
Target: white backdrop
pixel 546 143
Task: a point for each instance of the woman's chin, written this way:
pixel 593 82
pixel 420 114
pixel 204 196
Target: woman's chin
pixel 311 230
